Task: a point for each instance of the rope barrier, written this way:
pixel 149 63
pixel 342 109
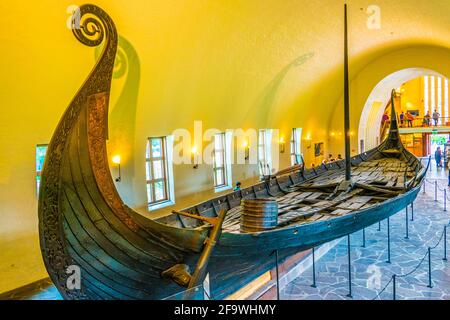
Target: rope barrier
pixel 427 254
pixel 433 183
pixel 440 239
pixel 382 290
pixel 414 269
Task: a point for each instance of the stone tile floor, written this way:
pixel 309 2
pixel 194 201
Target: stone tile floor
pixel 40 290
pixel 370 272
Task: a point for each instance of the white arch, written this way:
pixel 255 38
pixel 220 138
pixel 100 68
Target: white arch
pixel 370 120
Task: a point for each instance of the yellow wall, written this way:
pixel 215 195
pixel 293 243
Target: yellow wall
pixel 412 96
pixel 232 64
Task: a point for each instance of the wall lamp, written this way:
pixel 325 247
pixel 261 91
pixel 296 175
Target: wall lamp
pixel 194 156
pixel 282 144
pixel 308 139
pixel 116 160
pixel 246 149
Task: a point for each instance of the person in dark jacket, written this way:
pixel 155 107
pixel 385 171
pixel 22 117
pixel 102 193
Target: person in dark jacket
pixel 438 157
pixel 448 166
pixel 402 118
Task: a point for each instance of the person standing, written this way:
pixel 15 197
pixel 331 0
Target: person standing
pixel 410 119
pixel 448 167
pixel 384 118
pixel 436 116
pixel 438 157
pixel 427 119
pixel 402 118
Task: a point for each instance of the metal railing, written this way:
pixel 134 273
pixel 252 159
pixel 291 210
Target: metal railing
pixel 420 122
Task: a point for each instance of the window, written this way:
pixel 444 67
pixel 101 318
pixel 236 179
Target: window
pixel 222 161
pixel 432 95
pixel 296 152
pixel 425 95
pixel 435 96
pixel 159 173
pixel 41 150
pixel 439 96
pixel 446 98
pixel 264 151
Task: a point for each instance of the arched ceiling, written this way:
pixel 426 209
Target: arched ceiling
pixel 201 57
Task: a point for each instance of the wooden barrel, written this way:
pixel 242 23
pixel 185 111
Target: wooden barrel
pixel 259 215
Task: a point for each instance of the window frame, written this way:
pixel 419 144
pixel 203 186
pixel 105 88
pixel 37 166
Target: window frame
pixel 151 181
pixel 296 152
pixel 39 172
pixel 225 155
pixel 264 151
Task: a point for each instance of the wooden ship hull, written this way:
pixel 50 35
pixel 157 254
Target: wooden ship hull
pixel 122 255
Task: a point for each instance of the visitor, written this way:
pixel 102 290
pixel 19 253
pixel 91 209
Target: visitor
pixel 339 157
pixel 436 116
pixel 427 119
pixel 384 118
pixel 330 158
pixel 410 119
pixel 237 187
pixel 402 118
pixel 448 167
pixel 438 157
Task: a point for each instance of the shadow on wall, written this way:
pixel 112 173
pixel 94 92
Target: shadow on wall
pixel 264 102
pixel 122 116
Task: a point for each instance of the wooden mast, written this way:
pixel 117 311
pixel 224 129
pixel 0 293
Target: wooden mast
pixel 348 173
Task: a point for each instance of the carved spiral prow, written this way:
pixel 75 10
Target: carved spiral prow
pixel 83 223
pixel 91 26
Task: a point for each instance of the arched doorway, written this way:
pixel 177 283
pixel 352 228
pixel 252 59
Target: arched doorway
pixel 370 120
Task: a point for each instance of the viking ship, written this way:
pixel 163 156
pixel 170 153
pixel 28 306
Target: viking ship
pixel 123 255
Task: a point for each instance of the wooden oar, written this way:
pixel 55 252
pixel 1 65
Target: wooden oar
pixel 376 189
pixel 200 270
pixel 210 220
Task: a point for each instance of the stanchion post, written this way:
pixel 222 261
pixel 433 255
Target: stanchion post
pixel 349 268
pixel 393 288
pixel 430 284
pixel 406 224
pixel 389 241
pixel 424 183
pixel 314 268
pixel 445 243
pixel 445 199
pixel 276 272
pixel 364 237
pixel 412 211
pixel 435 190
